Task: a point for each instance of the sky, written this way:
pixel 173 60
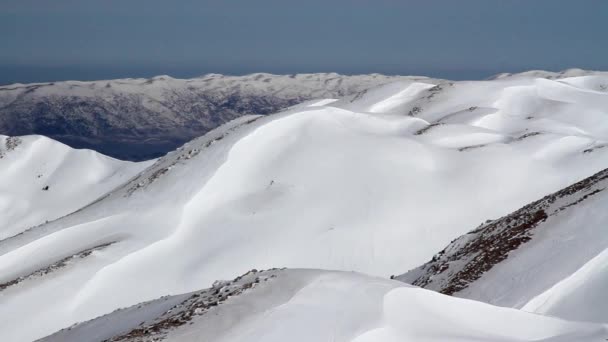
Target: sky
pixel 44 40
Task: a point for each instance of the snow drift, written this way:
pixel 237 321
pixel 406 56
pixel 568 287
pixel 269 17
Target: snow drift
pixel 312 305
pixel 546 257
pixel 44 180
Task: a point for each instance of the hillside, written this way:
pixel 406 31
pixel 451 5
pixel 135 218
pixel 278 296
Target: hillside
pixel 376 182
pixel 313 305
pixel 44 180
pixel 546 257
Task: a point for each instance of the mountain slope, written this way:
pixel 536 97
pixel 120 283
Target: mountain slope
pixel 547 257
pixel 44 180
pixel 311 305
pixel 376 183
pixel 142 118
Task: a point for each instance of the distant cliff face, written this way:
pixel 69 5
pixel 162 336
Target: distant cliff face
pixel 138 119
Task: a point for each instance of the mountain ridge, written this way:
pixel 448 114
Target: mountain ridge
pixel 303 300
pixel 492 262
pixel 138 119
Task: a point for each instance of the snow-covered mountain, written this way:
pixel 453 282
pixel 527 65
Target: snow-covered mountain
pixel 312 305
pixel 142 118
pixel 548 257
pixel 376 182
pixel 43 180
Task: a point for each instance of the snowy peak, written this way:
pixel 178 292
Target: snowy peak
pixel 574 72
pixel 316 85
pixel 47 180
pixel 354 184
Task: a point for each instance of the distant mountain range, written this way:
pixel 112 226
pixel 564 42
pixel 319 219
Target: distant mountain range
pixel 138 119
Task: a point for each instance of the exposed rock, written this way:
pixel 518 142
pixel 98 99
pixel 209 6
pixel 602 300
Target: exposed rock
pixel 468 257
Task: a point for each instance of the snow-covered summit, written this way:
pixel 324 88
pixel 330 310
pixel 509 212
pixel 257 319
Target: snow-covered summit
pixel 43 180
pixel 574 72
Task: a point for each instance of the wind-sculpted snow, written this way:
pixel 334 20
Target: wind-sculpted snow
pixel 54 266
pixel 311 305
pixel 375 183
pixel 142 118
pixel 42 180
pixel 545 254
pixel 467 258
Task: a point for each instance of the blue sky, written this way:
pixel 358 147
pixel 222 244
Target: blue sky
pixel 89 39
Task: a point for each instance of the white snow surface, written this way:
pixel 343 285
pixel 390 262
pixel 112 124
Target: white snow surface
pixel 581 296
pixel 375 183
pixel 74 179
pixel 561 271
pixel 305 85
pixel 313 305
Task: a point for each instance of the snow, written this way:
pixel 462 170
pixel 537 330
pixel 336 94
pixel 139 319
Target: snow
pixel 375 183
pixel 581 296
pixel 313 305
pixel 139 118
pixel 74 179
pixel 323 102
pixel 394 101
pixel 561 271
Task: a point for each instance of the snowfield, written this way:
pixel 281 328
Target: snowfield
pixel 137 119
pixel 313 305
pixel 377 182
pixel 44 180
pixel 556 250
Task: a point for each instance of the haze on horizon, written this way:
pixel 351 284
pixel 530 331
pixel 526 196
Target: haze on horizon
pixel 470 39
